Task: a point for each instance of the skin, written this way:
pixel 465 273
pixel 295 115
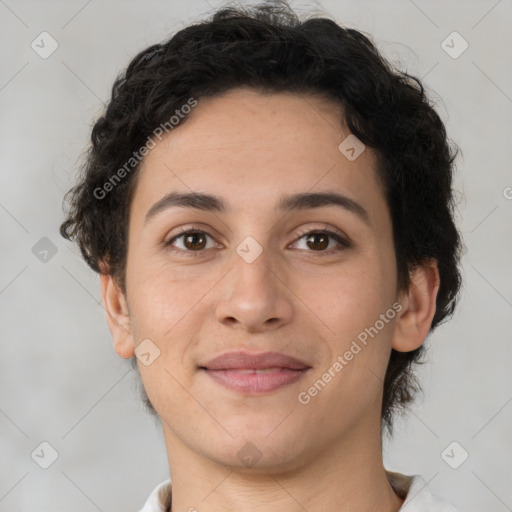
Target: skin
pixel 251 149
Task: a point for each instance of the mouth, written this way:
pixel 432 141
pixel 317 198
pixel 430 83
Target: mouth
pixel 250 380
pixel 255 373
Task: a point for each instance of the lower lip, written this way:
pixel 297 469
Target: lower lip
pixel 256 382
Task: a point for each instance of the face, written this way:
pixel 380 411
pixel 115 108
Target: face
pixel 266 272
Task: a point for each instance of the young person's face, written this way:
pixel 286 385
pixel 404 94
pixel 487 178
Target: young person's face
pixel 304 296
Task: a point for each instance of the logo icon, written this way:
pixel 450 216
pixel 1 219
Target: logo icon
pixel 249 454
pixel 454 455
pixel 351 147
pixel 44 45
pixel 147 352
pixel 44 250
pixel 249 249
pixel 44 454
pixel 454 45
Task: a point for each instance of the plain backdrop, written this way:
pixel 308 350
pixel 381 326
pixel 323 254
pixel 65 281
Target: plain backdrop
pixel 61 381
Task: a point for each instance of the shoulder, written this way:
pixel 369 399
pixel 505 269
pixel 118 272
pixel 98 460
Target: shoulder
pixel 160 498
pixel 418 497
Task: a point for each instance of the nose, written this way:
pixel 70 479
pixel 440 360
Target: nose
pixel 254 296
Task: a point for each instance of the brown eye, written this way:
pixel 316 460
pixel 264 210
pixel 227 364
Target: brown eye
pixel 323 242
pixel 317 241
pixel 192 240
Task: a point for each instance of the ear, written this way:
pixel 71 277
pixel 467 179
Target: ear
pixel 419 306
pixel 118 316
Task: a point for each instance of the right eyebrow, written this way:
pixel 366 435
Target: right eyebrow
pixel 197 200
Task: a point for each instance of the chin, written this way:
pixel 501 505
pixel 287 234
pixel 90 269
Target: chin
pixel 258 448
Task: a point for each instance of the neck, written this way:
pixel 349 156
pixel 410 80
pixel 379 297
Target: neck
pixel 348 475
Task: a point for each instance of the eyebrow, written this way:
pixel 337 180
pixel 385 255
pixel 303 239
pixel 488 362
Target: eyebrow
pixel 299 201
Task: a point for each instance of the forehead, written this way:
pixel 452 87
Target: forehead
pixel 252 148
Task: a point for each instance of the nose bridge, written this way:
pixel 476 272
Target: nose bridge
pixel 253 275
pixel 254 296
pixel 252 258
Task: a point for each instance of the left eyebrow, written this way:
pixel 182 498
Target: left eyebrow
pixel 300 201
pixel 303 201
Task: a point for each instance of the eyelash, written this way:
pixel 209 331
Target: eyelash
pixel 343 243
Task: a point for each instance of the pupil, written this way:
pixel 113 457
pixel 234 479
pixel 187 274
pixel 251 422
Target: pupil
pixel 191 240
pixel 315 236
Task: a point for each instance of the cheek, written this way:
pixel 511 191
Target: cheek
pixel 165 310
pixel 350 304
pixel 358 341
pixel 163 296
pixel 352 295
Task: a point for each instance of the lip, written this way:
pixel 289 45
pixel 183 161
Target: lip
pixel 256 361
pixel 255 383
pixel 255 373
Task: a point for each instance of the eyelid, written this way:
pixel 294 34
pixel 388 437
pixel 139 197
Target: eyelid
pixel 195 228
pixel 325 228
pixel 182 231
pixel 343 240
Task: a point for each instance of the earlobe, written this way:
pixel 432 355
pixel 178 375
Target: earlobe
pixel 118 316
pixel 419 307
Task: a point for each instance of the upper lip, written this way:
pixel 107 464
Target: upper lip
pixel 257 361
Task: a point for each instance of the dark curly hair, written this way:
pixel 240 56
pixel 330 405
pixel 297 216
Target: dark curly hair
pixel 267 47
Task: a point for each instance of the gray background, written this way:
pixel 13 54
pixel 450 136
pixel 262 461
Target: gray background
pixel 60 379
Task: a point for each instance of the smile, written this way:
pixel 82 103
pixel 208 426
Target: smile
pixel 250 380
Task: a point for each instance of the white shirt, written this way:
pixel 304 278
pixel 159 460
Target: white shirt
pixel 418 497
